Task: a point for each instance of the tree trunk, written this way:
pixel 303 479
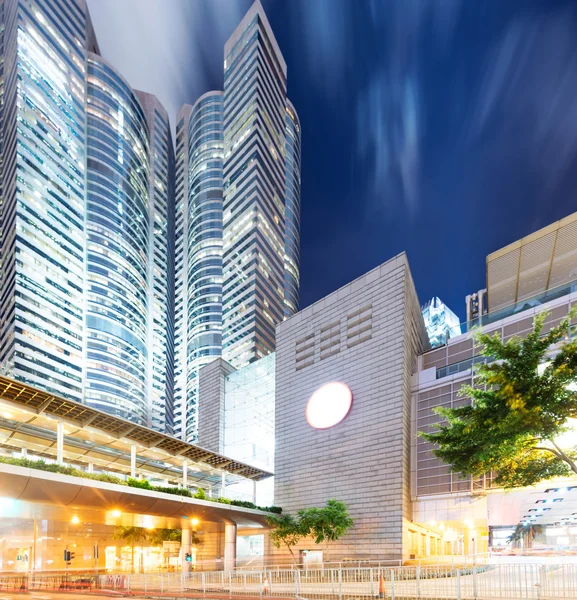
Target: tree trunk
pixel 292 554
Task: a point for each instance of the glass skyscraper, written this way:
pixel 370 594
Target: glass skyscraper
pixel 292 211
pixel 238 227
pixel 86 217
pixel 441 322
pixel 117 245
pixel 42 211
pixel 204 243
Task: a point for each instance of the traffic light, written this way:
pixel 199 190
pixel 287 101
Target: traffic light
pixel 188 557
pixel 68 556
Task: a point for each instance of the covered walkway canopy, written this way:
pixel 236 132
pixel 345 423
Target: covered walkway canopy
pixel 35 423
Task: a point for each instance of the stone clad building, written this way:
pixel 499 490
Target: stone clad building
pixel 367 335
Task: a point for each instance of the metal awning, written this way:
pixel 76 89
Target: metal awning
pixel 111 429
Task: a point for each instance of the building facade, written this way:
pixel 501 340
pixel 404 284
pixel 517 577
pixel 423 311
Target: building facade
pixel 204 243
pixel 254 190
pixel 240 233
pixel 161 267
pixel 181 188
pixel 365 336
pixel 43 205
pixel 117 245
pixel 87 218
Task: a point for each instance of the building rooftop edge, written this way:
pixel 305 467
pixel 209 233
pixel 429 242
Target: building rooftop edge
pixel 255 9
pixel 532 236
pixel 402 257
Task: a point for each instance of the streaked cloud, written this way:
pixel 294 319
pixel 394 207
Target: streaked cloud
pixel 527 96
pixel 387 109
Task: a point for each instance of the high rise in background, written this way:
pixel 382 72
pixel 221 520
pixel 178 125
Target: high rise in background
pixel 87 218
pixel 441 322
pixel 238 214
pixel 125 269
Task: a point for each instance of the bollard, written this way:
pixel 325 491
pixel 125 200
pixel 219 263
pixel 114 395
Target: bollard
pixel 382 590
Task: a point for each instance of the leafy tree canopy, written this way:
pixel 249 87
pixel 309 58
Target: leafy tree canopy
pixel 326 524
pixel 521 404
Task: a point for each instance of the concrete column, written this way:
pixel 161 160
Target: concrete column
pixel 90 468
pixel 23 452
pixel 254 491
pixel 60 442
pixel 223 485
pixel 229 546
pixel 133 461
pixel 185 548
pixel 185 474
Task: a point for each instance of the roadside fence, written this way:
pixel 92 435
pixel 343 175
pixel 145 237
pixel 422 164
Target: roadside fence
pixel 441 582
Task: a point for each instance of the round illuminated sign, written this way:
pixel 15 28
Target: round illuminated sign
pixel 329 405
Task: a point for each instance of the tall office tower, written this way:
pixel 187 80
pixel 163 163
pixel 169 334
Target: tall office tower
pixel 254 190
pixel 204 277
pixel 292 211
pixel 86 218
pixel 117 246
pixel 160 266
pixel 181 270
pixel 42 229
pixel 241 215
pixel 441 322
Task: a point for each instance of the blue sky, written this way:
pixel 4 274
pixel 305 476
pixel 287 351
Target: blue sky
pixel 446 128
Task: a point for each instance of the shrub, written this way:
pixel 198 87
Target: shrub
pixel 200 495
pixel 175 491
pixel 142 484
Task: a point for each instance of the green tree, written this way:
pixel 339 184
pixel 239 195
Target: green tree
pixel 157 537
pixel 521 403
pixel 326 524
pixel 133 536
pixel 286 530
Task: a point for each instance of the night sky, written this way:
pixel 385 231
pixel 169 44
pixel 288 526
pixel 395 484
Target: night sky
pixel 446 128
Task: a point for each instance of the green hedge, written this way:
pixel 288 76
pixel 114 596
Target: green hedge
pixel 142 484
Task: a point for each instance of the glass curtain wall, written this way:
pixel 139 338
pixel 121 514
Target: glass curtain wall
pixel 249 410
pixel 292 211
pixel 204 297
pixel 43 194
pixel 117 245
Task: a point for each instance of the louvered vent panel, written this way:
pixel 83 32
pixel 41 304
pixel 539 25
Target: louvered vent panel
pixel 502 279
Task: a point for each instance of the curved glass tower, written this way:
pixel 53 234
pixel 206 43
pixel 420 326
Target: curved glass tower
pixel 204 301
pixel 117 245
pixel 292 211
pixel 181 270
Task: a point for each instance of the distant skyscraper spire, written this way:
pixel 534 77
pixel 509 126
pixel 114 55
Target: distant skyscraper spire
pixel 440 321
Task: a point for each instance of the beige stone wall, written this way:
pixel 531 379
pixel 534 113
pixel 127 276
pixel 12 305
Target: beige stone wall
pixel 367 335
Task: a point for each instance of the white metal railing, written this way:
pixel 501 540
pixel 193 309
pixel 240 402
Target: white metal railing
pixel 496 582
